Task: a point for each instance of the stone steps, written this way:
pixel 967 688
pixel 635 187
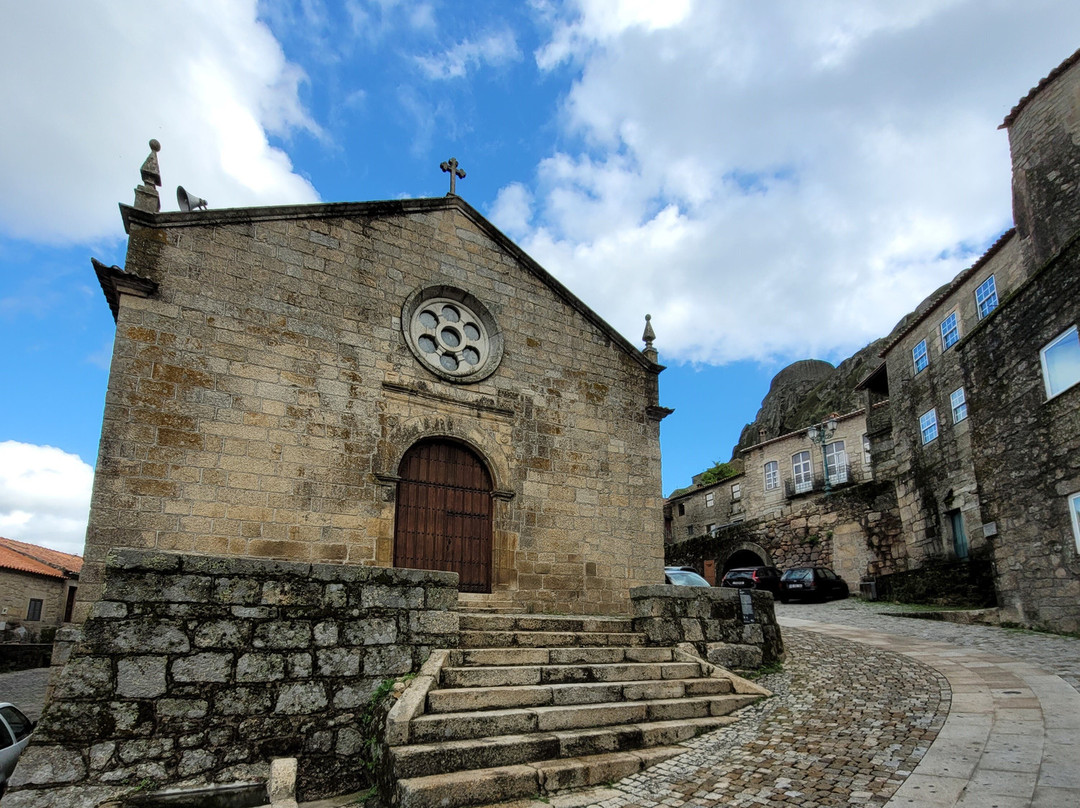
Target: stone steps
pixel 501 676
pixel 534 704
pixel 493 698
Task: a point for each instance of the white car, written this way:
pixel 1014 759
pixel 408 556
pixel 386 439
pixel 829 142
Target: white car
pixel 15 729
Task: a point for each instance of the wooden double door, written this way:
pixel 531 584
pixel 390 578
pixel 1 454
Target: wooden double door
pixel 444 513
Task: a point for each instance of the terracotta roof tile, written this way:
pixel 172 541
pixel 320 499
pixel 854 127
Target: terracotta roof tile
pixel 20 555
pixel 1034 91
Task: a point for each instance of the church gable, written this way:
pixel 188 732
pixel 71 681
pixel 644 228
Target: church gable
pixel 285 361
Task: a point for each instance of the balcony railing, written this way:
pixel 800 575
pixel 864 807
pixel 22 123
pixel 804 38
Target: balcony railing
pixel 838 478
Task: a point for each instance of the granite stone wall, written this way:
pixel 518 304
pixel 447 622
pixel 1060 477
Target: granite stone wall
pixel 1027 447
pixel 261 399
pixel 711 620
pixel 855 530
pixel 194 670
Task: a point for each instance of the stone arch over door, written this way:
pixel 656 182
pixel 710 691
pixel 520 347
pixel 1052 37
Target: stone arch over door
pixel 745 554
pixel 444 512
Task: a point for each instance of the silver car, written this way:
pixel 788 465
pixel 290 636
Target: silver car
pixel 15 729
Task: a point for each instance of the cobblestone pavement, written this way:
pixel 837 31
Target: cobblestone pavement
pixel 846 725
pixel 1052 652
pixel 26 690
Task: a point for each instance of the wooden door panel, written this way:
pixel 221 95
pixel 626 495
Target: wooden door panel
pixel 444 512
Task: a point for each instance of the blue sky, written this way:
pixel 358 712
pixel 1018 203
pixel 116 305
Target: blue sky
pixel 771 181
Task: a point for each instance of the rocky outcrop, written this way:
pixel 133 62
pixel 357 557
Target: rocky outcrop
pixel 807 391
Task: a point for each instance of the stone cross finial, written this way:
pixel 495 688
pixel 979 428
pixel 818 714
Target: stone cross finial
pixel 456 173
pixel 146 195
pixel 647 338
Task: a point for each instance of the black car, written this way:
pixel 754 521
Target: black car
pixel 766 578
pixel 683 576
pixel 811 583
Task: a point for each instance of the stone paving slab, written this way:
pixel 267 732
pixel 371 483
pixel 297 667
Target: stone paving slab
pixel 26 690
pixel 847 725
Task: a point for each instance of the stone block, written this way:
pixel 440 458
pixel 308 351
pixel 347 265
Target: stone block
pixel 391 597
pixel 44 765
pixel 222 634
pixel 186 709
pixel 86 677
pixel 204 667
pixel 140 677
pixel 370 631
pixel 734 656
pixel 301 698
pixel 387 661
pixel 260 667
pixel 338 662
pixel 282 634
pixel 243 701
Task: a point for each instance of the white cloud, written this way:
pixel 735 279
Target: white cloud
pixel 44 496
pixel 779 180
pixel 85 90
pixel 492 49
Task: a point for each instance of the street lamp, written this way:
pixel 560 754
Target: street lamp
pixel 820 434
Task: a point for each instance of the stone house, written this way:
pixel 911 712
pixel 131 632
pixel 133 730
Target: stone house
pixel 779 511
pixel 386 383
pixel 37 585
pixel 923 442
pixel 981 432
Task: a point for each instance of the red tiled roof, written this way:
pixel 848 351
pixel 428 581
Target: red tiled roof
pixel 19 555
pixel 1053 74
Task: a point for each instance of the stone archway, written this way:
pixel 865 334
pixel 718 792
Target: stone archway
pixel 746 554
pixel 443 513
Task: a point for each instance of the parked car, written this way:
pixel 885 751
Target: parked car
pixel 767 578
pixel 684 576
pixel 15 729
pixel 811 583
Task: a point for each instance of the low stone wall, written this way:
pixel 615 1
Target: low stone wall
pixel 194 670
pixel 712 621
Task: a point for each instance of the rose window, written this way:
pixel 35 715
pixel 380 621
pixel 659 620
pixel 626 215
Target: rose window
pixel 452 335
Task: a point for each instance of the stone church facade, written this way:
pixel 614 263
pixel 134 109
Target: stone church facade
pixel 387 384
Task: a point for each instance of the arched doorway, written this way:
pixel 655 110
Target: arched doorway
pixel 743 558
pixel 443 513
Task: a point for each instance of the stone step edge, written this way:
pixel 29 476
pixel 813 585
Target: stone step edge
pixel 567 738
pixel 497 784
pixel 411 703
pixel 566 686
pixel 571 665
pixel 457 660
pixel 686 652
pixel 539 710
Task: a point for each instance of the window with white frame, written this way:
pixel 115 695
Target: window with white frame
pixel 711 529
pixel 958 401
pixel 710 498
pixel 919 357
pixel 866 458
pixel 836 464
pixel 33 611
pixel 928 426
pixel 950 331
pixel 1061 362
pixel 772 475
pixel 986 298
pixel 736 491
pixel 1074 511
pixel 802 472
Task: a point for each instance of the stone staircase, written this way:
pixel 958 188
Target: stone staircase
pixel 534 704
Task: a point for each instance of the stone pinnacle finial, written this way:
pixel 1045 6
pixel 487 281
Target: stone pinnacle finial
pixel 647 338
pixel 146 195
pixel 451 166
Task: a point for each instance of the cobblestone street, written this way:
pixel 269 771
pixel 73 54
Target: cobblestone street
pixel 26 690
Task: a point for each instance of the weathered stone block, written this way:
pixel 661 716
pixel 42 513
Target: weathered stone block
pixel 387 661
pixel 259 667
pixel 301 698
pixel 283 634
pixel 371 631
pixel 140 677
pixel 338 662
pixel 86 677
pixel 42 765
pixel 204 667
